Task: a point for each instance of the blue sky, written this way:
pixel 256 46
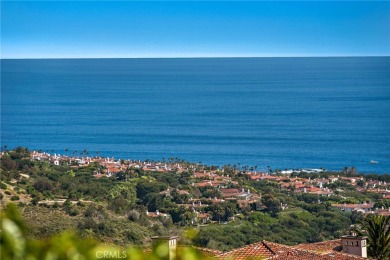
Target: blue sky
pixel 51 29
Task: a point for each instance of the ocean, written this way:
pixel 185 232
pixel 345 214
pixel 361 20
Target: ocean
pixel 285 113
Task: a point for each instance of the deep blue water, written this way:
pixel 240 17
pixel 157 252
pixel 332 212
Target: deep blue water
pixel 281 112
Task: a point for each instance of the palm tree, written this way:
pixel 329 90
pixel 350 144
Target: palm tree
pixel 377 230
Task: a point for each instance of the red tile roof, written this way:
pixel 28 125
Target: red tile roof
pixel 275 251
pixel 322 247
pixel 208 252
pixel 353 206
pixel 253 251
pixel 383 212
pixel 283 252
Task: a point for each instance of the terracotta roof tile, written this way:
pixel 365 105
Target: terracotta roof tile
pixel 283 252
pixel 322 247
pixel 253 251
pixel 207 251
pixel 275 251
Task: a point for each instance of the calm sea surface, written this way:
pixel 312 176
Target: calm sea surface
pixel 281 112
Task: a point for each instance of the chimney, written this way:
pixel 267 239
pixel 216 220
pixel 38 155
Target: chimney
pixel 164 247
pixel 354 245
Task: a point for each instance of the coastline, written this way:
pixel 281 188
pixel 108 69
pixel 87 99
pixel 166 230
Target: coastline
pixel 85 155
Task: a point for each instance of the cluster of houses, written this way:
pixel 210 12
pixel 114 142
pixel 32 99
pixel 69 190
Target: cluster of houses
pixel 347 247
pixel 110 166
pixel 223 182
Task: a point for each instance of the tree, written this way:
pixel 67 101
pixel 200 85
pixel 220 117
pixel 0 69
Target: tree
pixel 145 187
pixel 383 203
pixel 230 210
pixel 43 184
pixel 272 204
pixel 126 190
pixel 119 205
pixel 376 228
pixel 187 217
pixel 218 212
pixel 361 183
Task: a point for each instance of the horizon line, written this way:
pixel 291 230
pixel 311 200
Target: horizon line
pixel 194 57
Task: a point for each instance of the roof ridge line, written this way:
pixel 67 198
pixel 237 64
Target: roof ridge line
pixel 239 248
pixel 265 244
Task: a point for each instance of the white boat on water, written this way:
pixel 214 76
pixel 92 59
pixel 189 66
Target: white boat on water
pixel 373 162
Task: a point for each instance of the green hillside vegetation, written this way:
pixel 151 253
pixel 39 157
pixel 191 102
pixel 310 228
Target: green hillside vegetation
pixel 60 198
pixel 15 243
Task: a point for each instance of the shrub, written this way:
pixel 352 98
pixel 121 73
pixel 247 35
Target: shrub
pixel 67 204
pixel 23 181
pixel 35 201
pixel 133 215
pixel 13 198
pixel 3 186
pixel 7 192
pixel 42 185
pixel 73 212
pixel 30 190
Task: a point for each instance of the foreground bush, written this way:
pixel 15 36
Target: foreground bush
pixel 15 245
